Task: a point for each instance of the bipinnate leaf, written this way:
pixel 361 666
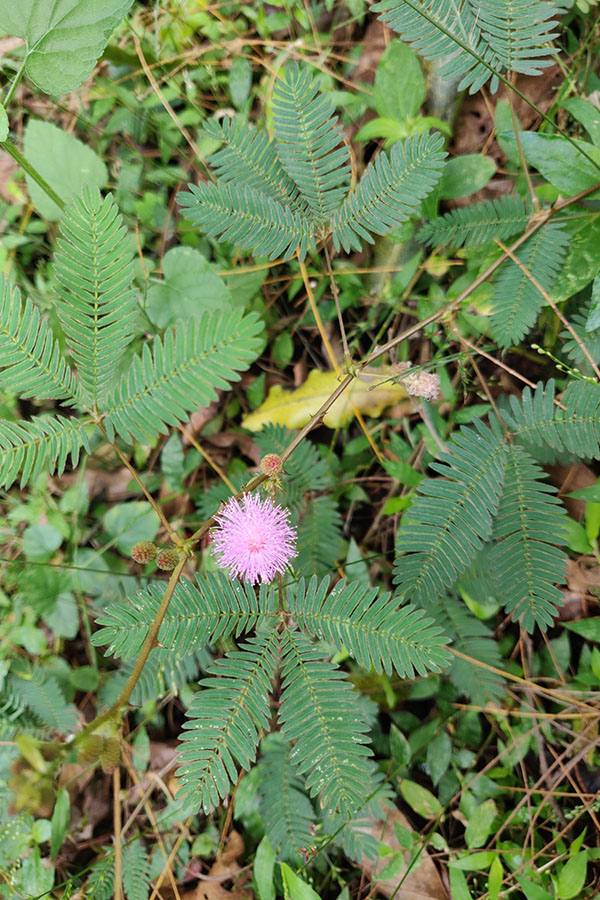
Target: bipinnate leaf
pixel 181 372
pixel 225 720
pixel 97 309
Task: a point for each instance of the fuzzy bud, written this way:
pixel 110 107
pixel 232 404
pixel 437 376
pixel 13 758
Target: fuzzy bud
pixel 418 383
pixel 167 559
pixel 144 552
pixel 271 465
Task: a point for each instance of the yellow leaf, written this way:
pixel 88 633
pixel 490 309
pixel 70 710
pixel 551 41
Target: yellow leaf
pixel 295 408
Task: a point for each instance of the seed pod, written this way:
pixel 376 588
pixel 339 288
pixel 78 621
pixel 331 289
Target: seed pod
pixel 167 559
pixel 143 552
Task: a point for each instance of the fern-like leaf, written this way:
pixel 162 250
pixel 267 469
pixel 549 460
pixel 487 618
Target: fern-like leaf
pixel 199 614
pixel 165 672
pixel 286 811
pixel 319 537
pixel 94 269
pixel 45 442
pixel 248 158
pixel 479 223
pixel 452 517
pixel 517 300
pixel 101 880
pixel 529 523
pixel 371 626
pixel 389 192
pixel 248 219
pixel 508 35
pixel 40 692
pixel 225 720
pixel 321 714
pixel 136 871
pixel 309 141
pixel 548 432
pixel 181 373
pixel 31 364
pixel 470 637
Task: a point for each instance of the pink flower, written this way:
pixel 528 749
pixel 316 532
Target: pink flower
pixel 253 539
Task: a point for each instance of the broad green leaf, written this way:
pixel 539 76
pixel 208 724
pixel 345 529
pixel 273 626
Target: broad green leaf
pixel 33 879
pixel 593 319
pixel 474 861
pixel 399 90
pixel 581 263
pixel 64 38
pixel 495 879
pixel 171 462
pixel 63 161
pixel 586 113
pixel 399 746
pixel 480 824
pixel 533 891
pixel 383 127
pixel 240 80
pixel 458 885
pixel 128 523
pixel 63 617
pixel 464 175
pixel 41 831
pixel 294 887
pixel 439 754
pixel 59 822
pixel 3 124
pixel 191 286
pixel 559 161
pixel 84 678
pixel 572 877
pixel 587 628
pixel 40 541
pixel 590 494
pixel 264 865
pixel 422 801
pixel 393 868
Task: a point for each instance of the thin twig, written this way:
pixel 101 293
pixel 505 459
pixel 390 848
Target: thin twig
pixel 118 886
pixel 551 304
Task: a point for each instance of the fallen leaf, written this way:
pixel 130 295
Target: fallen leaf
pixel 295 408
pixel 423 882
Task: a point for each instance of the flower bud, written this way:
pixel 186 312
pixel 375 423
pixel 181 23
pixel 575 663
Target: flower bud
pixel 271 465
pixel 167 559
pixel 143 552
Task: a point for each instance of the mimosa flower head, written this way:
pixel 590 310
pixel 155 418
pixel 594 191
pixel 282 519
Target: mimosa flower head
pixel 253 540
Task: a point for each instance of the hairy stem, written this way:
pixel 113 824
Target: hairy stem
pixel 15 82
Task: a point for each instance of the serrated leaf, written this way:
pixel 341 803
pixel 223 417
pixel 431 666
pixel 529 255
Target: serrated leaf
pixel 64 39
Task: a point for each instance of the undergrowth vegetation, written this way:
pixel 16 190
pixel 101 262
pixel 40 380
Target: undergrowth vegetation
pixel 300 422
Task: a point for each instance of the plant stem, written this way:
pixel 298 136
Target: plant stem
pixel 117 833
pixel 32 172
pixel 167 525
pixel 15 82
